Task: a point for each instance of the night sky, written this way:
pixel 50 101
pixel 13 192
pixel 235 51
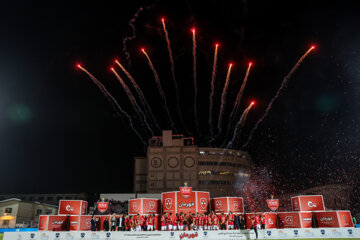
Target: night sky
pixel 58 133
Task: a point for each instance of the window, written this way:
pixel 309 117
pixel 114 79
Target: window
pixel 50 198
pixel 38 212
pixel 202 153
pixel 6 222
pixel 8 210
pixel 48 211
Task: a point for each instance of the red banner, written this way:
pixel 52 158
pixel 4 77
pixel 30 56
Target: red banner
pixel 306 219
pixel 175 203
pixel 270 220
pixel 135 206
pixel 186 205
pixel 345 219
pixel 58 223
pixel 43 221
pixel 185 192
pixel 72 207
pixel 168 202
pixel 226 204
pixel 326 219
pixel 102 206
pixel 308 203
pixel 273 204
pixel 289 220
pixel 248 217
pixel 203 202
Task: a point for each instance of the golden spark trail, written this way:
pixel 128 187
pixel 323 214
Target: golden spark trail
pixel 171 58
pixel 282 87
pixel 212 89
pixel 158 84
pixel 223 98
pixel 194 76
pixel 140 93
pixel 234 113
pixel 113 101
pixel 133 101
pixel 239 125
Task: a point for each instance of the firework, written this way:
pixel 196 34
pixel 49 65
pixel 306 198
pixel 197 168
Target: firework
pixel 235 110
pixel 223 98
pixel 140 93
pixel 133 101
pixel 282 87
pixel 158 84
pixel 171 58
pixel 193 30
pixel 113 101
pixel 240 124
pixel 212 89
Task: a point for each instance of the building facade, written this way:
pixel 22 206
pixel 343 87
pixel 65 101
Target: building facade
pixel 48 198
pixel 173 160
pixel 17 213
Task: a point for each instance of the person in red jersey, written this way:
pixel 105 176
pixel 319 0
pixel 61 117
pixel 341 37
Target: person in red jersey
pixel 181 222
pixel 223 220
pixel 257 220
pixel 170 221
pixel 150 220
pixel 262 221
pixel 175 222
pixel 200 225
pixel 206 221
pixel 132 223
pixel 230 221
pixel 163 223
pixel 215 222
pixel 194 219
pixel 254 225
pixel 138 223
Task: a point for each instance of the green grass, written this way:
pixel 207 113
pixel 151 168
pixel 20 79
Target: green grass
pixel 1 236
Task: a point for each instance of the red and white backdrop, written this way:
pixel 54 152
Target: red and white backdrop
pixel 72 207
pixel 333 219
pixel 226 204
pixel 144 206
pixel 270 219
pixel 308 203
pixel 176 202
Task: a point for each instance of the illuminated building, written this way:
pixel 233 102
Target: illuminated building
pixel 174 159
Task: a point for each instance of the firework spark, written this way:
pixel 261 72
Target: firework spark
pixel 282 87
pixel 171 58
pixel 133 101
pixel 158 84
pixel 213 89
pixel 193 30
pixel 234 113
pixel 240 124
pixel 140 93
pixel 223 98
pixel 113 101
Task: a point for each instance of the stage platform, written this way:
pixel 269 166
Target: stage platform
pixel 300 233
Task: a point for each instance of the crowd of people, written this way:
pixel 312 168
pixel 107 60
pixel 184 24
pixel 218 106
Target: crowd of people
pixel 174 222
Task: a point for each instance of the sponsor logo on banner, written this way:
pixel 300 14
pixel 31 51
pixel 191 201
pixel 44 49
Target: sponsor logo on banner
pixel 172 234
pixel 188 235
pixel 152 205
pixel 57 235
pixel 69 208
pixel 218 204
pixel 134 206
pixel 308 233
pixel 273 204
pixel 108 235
pixel 168 203
pixel 32 235
pixel 282 233
pixel 268 233
pixel 270 221
pixel 311 204
pixel 350 231
pixel 334 232
pixel 203 203
pixel 307 219
pixel 296 232
pixel 322 231
pixel 236 205
pixel 68 236
pixel 82 235
pixel 326 219
pixel 289 220
pixel 102 206
pixel 94 236
pixel 187 205
pixel 185 192
pixel 43 236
